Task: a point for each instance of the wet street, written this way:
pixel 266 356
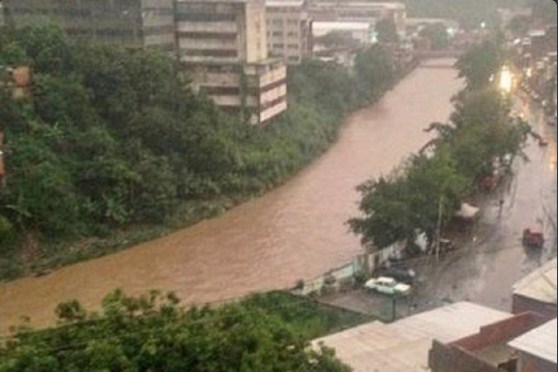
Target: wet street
pixel 296 231
pixel 494 258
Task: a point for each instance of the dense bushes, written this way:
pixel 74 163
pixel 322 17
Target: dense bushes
pixel 111 137
pixel 152 333
pixel 480 136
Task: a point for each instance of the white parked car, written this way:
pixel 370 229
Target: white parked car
pixel 387 285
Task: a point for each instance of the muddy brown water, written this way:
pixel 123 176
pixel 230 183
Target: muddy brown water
pixel 296 231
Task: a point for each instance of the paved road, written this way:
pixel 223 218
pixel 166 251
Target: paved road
pixel 494 258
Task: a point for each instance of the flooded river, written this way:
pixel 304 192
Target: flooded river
pixel 296 231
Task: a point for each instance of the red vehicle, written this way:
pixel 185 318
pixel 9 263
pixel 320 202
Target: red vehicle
pixel 488 183
pixel 533 237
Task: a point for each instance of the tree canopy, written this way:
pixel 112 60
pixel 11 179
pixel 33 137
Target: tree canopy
pixel 111 138
pixel 480 135
pixel 387 31
pixel 153 333
pixel 481 62
pixel 437 34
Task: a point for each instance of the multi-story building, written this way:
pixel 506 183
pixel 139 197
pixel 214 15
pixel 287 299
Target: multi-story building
pixel 359 11
pixel 131 23
pixel 225 43
pixel 289 30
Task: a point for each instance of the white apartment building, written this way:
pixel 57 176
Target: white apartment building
pixel 289 30
pixel 225 41
pixel 359 11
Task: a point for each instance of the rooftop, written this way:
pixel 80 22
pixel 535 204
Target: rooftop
pixel 540 342
pixel 403 345
pixel 377 5
pixel 284 3
pixel 540 284
pixel 341 25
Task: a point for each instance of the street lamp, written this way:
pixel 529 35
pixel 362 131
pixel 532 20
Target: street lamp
pixel 506 80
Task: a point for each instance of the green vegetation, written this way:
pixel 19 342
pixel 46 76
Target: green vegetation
pixel 387 31
pixel 437 34
pixel 481 62
pixel 152 333
pixel 480 136
pixel 111 146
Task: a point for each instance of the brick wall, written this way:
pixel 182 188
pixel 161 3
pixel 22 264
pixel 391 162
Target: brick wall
pixel 529 363
pixel 458 355
pixel 450 358
pixel 501 331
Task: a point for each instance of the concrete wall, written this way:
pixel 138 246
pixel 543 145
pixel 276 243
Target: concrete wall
pixel 529 363
pixel 521 304
pixel 256 32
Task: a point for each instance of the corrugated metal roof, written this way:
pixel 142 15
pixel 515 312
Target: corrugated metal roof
pixel 403 346
pixel 540 342
pixel 540 284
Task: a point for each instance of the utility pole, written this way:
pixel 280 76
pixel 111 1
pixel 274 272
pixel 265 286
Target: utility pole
pixel 393 308
pixel 438 228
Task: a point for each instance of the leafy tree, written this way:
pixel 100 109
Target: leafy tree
pixel 375 71
pixel 387 31
pixel 111 137
pixel 151 332
pixel 480 135
pixel 336 39
pixel 479 63
pixel 437 34
pixel 396 207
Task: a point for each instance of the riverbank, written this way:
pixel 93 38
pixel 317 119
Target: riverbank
pixel 296 231
pixel 40 257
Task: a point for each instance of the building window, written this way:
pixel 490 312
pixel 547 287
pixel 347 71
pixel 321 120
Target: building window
pixel 278 45
pixel 202 17
pixel 208 35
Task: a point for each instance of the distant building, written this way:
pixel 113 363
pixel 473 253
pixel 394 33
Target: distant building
pixel 225 43
pixel 359 11
pixel 131 23
pixel 359 31
pixel 404 344
pixel 537 292
pixel 537 349
pixel 289 30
